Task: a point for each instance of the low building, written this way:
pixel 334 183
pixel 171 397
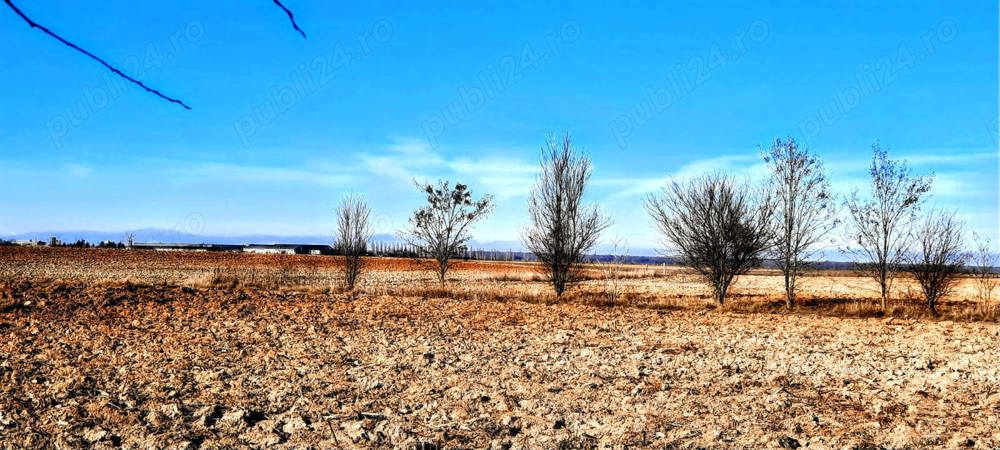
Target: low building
pixel 272 249
pixel 289 249
pixel 169 247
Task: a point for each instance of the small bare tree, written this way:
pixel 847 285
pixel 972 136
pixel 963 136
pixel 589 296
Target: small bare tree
pixel 562 228
pixel 984 262
pixel 881 225
pixel 441 228
pixel 937 261
pixel 720 228
pixel 805 211
pixel 613 270
pixel 353 233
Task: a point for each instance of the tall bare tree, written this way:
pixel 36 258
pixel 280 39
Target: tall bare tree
pixel 720 228
pixel 353 233
pixel 881 225
pixel 984 262
pixel 441 228
pixel 937 261
pixel 805 212
pixel 563 229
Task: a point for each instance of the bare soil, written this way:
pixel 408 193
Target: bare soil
pixel 185 355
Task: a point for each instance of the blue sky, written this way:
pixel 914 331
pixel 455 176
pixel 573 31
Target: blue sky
pixel 383 92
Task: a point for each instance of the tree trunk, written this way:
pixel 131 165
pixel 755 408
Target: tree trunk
pixel 442 270
pixel 789 291
pixel 885 295
pixel 720 293
pixel 558 280
pixel 883 284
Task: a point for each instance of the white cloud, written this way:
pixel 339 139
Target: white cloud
pixel 77 170
pixel 409 159
pixel 965 181
pixel 739 166
pixel 404 160
pixel 948 157
pixel 503 177
pixel 254 174
pixel 396 164
pixel 921 159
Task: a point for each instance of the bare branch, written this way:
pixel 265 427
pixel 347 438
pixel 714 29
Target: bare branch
pixel 939 257
pixel 882 224
pixel 984 262
pixel 353 233
pixel 721 228
pixel 291 17
pixel 113 69
pixel 805 210
pixel 562 228
pixel 614 270
pixel 440 229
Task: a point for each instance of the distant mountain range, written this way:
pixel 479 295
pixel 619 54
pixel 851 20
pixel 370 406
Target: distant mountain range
pixel 157 235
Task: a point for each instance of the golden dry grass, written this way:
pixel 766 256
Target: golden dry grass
pixel 829 293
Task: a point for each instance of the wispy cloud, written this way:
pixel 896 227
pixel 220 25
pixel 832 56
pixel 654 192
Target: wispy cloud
pixel 397 163
pixel 77 170
pixel 403 160
pixel 922 159
pixel 949 157
pixel 958 172
pixel 502 176
pixel 739 166
pixel 256 174
pixel 409 159
pixel 965 179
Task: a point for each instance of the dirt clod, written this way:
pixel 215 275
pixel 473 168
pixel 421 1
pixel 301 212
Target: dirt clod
pixel 293 366
pixel 789 443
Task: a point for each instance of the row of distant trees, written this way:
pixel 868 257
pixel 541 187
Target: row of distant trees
pixel 721 227
pixel 78 244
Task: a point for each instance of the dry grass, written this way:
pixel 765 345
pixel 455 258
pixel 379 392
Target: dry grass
pixel 825 293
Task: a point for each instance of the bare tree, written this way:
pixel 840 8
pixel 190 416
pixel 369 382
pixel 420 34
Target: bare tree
pixel 937 261
pixel 805 212
pixel 881 225
pixel 562 228
pixel 984 262
pixel 719 227
pixel 353 233
pixel 441 228
pixel 614 270
pixel 115 70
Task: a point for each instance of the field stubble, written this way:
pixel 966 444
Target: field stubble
pixel 159 350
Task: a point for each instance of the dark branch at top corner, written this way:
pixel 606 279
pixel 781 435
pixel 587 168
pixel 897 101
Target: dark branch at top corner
pixel 113 69
pixel 291 17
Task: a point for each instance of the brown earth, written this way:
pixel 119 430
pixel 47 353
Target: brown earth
pixel 182 350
